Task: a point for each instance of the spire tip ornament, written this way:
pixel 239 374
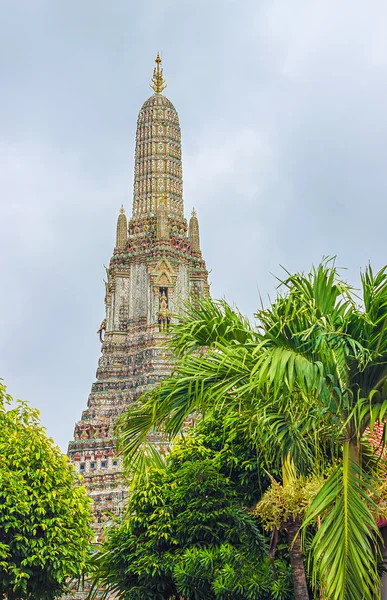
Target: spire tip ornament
pixel 158 83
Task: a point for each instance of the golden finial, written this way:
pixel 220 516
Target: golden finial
pixel 122 210
pixel 193 214
pixel 158 83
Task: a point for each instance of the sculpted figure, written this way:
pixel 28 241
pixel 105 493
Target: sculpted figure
pixel 163 315
pixel 163 303
pixel 101 329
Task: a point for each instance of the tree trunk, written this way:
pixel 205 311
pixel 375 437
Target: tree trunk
pixel 354 452
pixel 297 561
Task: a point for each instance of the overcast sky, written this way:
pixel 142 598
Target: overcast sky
pixel 283 109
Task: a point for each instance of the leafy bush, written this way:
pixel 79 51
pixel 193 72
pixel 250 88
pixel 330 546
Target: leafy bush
pixel 186 532
pixel 44 517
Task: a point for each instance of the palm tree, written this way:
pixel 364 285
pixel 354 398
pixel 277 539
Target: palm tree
pixel 347 344
pixel 311 376
pixel 208 375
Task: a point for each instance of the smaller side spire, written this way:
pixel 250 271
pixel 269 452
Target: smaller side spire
pixel 158 83
pixel 193 232
pixel 122 229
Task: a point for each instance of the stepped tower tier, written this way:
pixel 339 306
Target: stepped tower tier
pixel 156 267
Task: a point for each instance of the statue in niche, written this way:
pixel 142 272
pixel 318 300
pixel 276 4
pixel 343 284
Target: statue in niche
pixel 163 314
pixel 163 302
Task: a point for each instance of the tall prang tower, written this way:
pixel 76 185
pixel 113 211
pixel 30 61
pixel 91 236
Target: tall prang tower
pixel 156 267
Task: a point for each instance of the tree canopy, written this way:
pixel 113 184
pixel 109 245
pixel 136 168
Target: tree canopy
pixel 44 518
pixel 186 532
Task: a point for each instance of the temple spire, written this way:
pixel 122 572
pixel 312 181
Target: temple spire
pixel 158 83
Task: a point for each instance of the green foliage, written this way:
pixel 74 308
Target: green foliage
pixel 44 518
pixel 207 322
pixel 344 348
pixel 223 441
pixel 283 503
pixel 222 573
pixel 186 533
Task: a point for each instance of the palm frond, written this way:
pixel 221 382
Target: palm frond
pixel 208 322
pixel 284 370
pixel 219 378
pixel 375 309
pixel 345 547
pixel 136 439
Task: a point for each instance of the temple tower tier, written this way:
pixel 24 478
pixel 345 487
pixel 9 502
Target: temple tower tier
pixel 157 168
pixel 156 267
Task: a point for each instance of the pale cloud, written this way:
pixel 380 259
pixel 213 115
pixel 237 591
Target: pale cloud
pixel 284 127
pixel 310 32
pixel 223 158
